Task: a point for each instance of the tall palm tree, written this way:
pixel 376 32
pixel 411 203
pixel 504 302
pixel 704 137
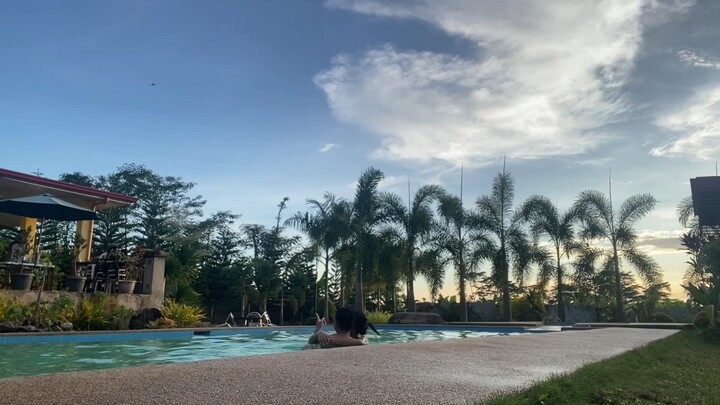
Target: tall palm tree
pixel 545 219
pixel 456 235
pixel 600 221
pixel 416 222
pixel 365 215
pixel 326 224
pixel 510 245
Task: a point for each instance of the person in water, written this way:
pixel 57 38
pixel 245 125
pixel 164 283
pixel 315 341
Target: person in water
pixel 350 330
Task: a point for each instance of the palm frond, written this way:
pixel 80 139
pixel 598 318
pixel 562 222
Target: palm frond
pixel 646 267
pixel 634 208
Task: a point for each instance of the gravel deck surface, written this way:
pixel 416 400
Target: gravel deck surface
pixel 441 372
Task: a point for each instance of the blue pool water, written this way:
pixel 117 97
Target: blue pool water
pixel 133 349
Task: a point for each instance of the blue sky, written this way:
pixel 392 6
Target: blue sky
pixel 258 100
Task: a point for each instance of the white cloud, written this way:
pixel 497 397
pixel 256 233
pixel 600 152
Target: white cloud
pixel 327 147
pixel 698 59
pixel 595 162
pixel 660 241
pixel 545 77
pixel 697 125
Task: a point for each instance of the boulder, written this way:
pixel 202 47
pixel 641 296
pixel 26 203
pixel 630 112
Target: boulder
pixel 145 316
pixel 16 329
pixel 416 318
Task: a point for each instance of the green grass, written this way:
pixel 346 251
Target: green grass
pixel 681 369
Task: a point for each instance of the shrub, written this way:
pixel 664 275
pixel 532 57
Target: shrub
pixel 120 317
pixel 12 310
pixel 93 313
pixel 378 317
pixel 701 320
pixel 183 316
pixel 662 317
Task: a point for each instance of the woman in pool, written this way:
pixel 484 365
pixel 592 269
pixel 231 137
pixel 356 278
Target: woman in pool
pixel 350 329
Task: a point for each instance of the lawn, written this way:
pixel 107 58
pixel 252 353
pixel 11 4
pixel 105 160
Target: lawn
pixel 681 369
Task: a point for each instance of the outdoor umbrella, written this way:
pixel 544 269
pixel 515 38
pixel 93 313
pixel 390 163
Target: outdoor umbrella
pixel 44 207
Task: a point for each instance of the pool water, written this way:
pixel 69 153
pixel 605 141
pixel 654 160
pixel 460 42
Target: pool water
pixel 44 358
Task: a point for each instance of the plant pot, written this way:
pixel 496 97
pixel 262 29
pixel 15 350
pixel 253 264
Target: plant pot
pixel 126 286
pixel 138 288
pixel 75 283
pixel 21 281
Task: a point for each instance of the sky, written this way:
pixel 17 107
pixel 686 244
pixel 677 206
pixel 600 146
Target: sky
pixel 258 100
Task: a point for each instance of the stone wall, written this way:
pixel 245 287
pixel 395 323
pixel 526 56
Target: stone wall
pixel 133 301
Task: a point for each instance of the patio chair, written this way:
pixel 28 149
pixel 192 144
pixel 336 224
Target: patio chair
pixel 253 319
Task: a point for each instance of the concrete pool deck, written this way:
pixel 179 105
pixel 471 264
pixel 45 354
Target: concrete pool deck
pixel 439 372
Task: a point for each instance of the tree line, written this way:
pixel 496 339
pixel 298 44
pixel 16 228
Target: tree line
pixel 370 249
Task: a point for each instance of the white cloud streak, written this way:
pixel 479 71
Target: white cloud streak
pixel 328 147
pixel 696 125
pixel 698 59
pixel 545 77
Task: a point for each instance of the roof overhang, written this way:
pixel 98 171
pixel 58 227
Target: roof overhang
pixel 706 199
pixel 15 184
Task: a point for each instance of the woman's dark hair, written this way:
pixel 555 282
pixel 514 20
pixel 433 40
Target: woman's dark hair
pixel 361 324
pixel 344 318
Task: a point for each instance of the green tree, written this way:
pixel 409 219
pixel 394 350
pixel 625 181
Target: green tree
pixel 601 221
pixel 545 219
pixel 457 236
pixel 510 246
pixel 416 222
pixel 326 224
pixel 365 216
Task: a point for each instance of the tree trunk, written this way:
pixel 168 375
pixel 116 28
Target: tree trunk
pixel 411 277
pixel 507 310
pixel 265 298
pixel 461 288
pixel 326 312
pixel 560 299
pixel 619 303
pixel 358 280
pixel 212 313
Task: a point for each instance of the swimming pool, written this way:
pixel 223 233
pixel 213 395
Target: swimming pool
pixel 134 349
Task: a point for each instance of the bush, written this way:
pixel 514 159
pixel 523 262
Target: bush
pixel 662 317
pixel 701 320
pixel 12 310
pixel 120 317
pixel 93 313
pixel 378 317
pixel 180 315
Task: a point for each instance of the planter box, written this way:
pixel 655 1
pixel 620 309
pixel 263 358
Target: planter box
pixel 21 281
pixel 75 283
pixel 126 286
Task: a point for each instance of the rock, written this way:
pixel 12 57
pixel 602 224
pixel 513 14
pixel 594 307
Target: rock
pixel 145 316
pixel 416 318
pixel 66 326
pixel 16 329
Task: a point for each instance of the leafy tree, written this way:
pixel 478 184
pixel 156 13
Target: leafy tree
pixel 416 221
pixel 510 245
pixel 545 219
pixel 326 225
pixel 365 216
pixel 457 237
pixel 601 221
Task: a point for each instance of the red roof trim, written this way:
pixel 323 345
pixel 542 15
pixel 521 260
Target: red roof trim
pixel 61 185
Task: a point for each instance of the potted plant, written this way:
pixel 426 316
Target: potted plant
pixel 74 281
pixel 23 244
pixel 134 266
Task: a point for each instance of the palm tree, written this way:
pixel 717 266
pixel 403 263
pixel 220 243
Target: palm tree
pixel 326 224
pixel 416 223
pixel 365 215
pixel 457 235
pixel 545 219
pixel 601 221
pixel 510 245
